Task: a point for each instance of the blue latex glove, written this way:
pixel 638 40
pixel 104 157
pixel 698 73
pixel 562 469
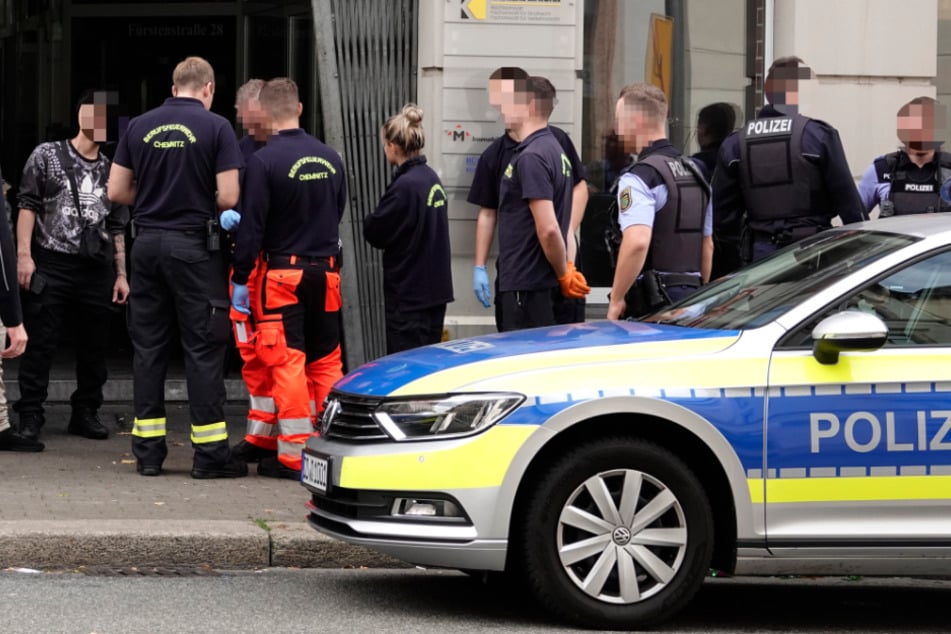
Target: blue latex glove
pixel 240 299
pixel 480 284
pixel 229 219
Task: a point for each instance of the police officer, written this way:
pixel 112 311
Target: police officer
pixel 534 213
pixel 411 225
pixel 484 192
pixel 909 180
pixel 786 172
pixel 663 212
pixel 178 165
pixel 295 196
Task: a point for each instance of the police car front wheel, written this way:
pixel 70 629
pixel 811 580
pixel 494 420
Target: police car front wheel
pixel 618 533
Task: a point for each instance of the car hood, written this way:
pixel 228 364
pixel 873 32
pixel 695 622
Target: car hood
pixel 465 363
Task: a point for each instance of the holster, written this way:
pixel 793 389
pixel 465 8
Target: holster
pixel 646 295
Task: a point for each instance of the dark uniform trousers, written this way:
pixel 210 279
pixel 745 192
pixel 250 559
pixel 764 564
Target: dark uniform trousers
pixel 408 329
pixel 527 309
pixel 77 296
pixel 175 277
pixel 298 338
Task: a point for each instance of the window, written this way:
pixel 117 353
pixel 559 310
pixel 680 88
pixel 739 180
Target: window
pixel 915 304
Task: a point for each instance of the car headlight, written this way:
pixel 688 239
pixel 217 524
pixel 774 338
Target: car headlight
pixel 444 416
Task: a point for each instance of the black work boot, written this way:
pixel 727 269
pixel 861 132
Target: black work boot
pixel 30 425
pixel 86 423
pixel 274 468
pixel 148 469
pixel 234 468
pixel 13 441
pixel 251 453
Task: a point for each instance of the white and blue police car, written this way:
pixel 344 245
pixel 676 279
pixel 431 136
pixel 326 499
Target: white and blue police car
pixel 792 418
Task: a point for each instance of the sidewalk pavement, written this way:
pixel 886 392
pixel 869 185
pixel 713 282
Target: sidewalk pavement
pixel 81 503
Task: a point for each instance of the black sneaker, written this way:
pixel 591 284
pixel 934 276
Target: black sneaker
pixel 274 468
pixel 30 425
pixel 232 469
pixel 86 423
pixel 148 469
pixel 13 441
pixel 251 453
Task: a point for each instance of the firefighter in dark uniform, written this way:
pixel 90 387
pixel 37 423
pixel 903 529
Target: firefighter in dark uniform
pixel 178 166
pixel 909 181
pixel 411 225
pixel 786 173
pixel 295 194
pixel 663 212
pixel 484 192
pixel 534 214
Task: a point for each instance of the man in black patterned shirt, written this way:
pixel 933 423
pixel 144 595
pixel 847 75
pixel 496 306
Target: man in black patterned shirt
pixel 71 261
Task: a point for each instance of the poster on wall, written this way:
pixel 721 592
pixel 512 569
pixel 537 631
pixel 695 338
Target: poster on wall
pixel 658 63
pixel 513 11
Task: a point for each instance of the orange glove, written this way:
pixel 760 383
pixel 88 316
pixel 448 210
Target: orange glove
pixel 573 285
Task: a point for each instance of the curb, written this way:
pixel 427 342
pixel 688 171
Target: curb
pixel 223 544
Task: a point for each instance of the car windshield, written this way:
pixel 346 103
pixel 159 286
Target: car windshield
pixel 758 294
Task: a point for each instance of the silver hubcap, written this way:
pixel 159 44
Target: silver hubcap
pixel 622 536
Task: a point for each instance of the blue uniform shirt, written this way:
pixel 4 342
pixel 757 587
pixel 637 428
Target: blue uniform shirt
pixel 175 152
pixel 296 190
pixel 484 191
pixel 872 191
pixel 411 225
pixel 539 170
pixel 820 144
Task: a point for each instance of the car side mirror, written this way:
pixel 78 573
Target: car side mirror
pixel 850 330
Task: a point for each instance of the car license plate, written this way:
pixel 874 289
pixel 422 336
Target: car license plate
pixel 314 472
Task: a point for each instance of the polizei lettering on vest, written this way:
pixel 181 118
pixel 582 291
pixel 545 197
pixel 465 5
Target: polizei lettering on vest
pixel 769 126
pixel 918 187
pixel 677 169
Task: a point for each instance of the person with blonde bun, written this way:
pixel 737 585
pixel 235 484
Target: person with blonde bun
pixel 411 225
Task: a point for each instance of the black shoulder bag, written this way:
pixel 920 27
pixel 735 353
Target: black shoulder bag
pixel 95 243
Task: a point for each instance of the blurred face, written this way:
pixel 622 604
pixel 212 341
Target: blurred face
pixel 92 122
pixel 630 125
pixel 516 103
pixel 918 126
pixel 253 119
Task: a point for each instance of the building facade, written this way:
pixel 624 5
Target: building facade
pixel 357 61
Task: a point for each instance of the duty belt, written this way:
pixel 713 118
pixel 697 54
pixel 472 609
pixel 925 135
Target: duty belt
pixel 679 279
pixel 282 259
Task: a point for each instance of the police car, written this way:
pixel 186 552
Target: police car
pixel 792 418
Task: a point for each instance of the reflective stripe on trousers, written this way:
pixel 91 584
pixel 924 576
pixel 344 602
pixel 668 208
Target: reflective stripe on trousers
pixel 290 442
pixel 261 429
pixel 262 422
pixel 149 427
pixel 214 432
pixel 262 404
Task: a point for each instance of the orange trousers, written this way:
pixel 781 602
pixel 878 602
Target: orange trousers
pixel 297 338
pixel 262 413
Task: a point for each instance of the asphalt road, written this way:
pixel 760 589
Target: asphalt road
pixel 403 601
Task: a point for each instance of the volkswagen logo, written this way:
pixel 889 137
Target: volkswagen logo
pixel 621 536
pixel 330 412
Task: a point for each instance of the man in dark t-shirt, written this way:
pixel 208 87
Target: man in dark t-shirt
pixel 295 194
pixel 534 213
pixel 178 165
pixel 484 192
